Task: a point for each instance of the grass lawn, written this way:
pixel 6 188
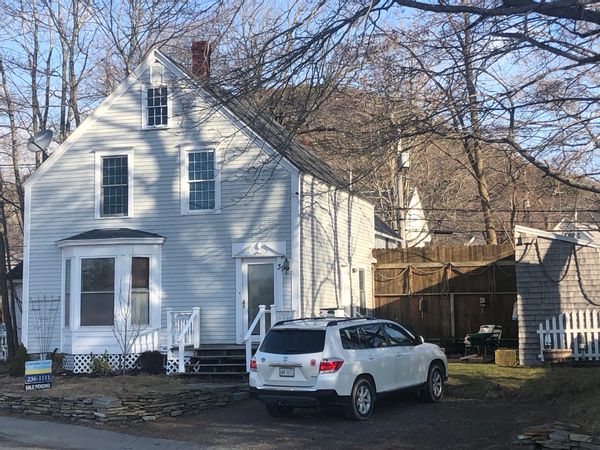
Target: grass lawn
pixel 573 391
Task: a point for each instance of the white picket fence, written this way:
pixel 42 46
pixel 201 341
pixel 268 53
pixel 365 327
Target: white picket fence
pixel 575 330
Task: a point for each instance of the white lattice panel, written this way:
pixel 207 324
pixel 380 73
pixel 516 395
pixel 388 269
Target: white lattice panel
pixel 81 363
pixel 172 365
pixel 68 363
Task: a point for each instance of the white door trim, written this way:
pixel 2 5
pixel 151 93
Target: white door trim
pixel 242 264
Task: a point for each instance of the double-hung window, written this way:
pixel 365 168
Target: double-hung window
pixel 140 290
pixel 157 107
pixel 362 292
pixel 67 310
pixel 200 182
pixel 114 183
pixel 156 104
pixel 201 179
pixel 115 186
pixel 97 291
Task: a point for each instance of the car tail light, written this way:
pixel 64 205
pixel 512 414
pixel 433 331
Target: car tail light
pixel 253 364
pixel 329 365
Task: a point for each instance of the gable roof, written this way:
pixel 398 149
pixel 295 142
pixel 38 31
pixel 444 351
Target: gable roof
pixel 268 129
pixel 383 228
pixel 257 121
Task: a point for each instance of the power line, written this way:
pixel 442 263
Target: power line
pixel 524 211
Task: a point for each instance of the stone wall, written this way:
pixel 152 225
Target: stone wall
pixel 130 408
pixel 551 279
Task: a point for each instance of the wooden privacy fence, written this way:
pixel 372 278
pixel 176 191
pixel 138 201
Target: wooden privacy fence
pixel 445 292
pixel 578 331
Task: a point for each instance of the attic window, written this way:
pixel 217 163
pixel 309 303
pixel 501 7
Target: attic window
pixel 158 109
pixel 156 103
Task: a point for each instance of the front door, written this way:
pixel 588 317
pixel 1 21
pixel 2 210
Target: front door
pixel 259 288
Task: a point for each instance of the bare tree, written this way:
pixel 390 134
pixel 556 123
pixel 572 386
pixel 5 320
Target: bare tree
pixel 126 328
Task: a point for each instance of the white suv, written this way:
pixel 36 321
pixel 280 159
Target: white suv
pixel 347 362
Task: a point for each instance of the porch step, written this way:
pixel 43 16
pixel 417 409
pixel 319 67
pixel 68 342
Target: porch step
pixel 219 360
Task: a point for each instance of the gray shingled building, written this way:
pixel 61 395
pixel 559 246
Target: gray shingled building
pixel 556 274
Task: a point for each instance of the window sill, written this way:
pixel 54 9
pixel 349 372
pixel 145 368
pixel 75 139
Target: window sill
pixel 155 128
pixel 113 217
pixel 200 212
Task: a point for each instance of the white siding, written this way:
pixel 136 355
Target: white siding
pixel 336 234
pixel 197 265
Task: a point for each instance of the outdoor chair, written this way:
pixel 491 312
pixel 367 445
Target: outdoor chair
pixel 488 337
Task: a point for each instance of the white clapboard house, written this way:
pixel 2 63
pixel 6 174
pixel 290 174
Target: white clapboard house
pixel 180 212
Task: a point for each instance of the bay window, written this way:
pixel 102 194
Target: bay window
pixel 97 291
pixel 140 291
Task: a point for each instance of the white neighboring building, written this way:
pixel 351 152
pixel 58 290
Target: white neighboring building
pixel 578 230
pixel 417 229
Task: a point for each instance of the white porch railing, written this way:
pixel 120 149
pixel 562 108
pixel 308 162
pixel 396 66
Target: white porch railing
pixel 260 322
pixel 183 329
pixel 147 340
pixel 578 331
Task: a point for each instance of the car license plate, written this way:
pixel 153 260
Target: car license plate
pixel 286 371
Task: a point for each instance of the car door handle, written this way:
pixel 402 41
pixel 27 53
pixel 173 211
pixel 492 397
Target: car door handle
pixel 371 357
pixel 399 354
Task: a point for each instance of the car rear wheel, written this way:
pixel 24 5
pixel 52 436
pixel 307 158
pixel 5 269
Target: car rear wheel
pixel 362 400
pixel 279 411
pixel 434 389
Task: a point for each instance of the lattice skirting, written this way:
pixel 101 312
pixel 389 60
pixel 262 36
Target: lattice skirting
pixel 81 363
pixel 173 365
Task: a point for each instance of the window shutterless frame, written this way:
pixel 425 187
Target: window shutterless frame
pixel 155 99
pixel 99 156
pixel 192 162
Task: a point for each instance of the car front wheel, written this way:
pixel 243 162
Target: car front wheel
pixel 362 400
pixel 434 389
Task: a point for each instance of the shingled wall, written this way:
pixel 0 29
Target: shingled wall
pixel 555 274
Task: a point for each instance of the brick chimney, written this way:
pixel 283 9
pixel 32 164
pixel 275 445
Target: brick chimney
pixel 201 59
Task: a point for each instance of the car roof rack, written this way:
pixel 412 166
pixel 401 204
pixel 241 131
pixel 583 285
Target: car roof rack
pixel 331 320
pixel 349 319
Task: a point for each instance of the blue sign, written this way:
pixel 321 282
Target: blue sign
pixel 38 374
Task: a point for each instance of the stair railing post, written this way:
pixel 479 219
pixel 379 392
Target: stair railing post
pixel 248 354
pixel 181 356
pixel 262 309
pixel 273 315
pixel 196 327
pixel 169 333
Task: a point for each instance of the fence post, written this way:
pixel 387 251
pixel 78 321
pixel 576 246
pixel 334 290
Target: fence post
pixel 452 317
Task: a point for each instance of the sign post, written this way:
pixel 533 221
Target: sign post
pixel 38 374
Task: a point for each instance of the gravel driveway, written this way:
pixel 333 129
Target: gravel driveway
pixel 398 422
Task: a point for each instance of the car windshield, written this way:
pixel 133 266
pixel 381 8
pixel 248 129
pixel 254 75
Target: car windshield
pixel 293 342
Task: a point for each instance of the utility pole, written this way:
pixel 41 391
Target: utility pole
pixel 402 166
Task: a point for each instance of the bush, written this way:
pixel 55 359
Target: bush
pixel 151 362
pixel 16 366
pixel 100 365
pixel 57 363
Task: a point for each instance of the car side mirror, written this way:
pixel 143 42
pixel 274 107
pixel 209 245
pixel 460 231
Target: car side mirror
pixel 419 340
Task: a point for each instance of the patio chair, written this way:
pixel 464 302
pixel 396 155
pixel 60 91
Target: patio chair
pixel 488 337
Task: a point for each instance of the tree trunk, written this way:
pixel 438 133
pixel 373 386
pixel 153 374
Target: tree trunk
pixel 472 145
